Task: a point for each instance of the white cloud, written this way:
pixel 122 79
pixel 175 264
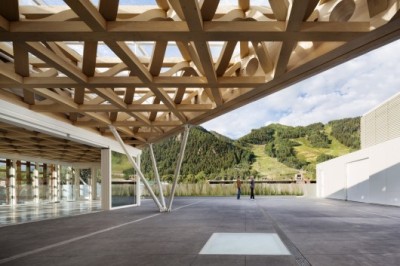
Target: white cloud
pixel 348 90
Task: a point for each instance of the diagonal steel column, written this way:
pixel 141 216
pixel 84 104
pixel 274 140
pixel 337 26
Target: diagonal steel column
pixel 146 183
pixel 178 165
pixel 157 175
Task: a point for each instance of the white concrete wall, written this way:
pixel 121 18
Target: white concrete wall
pixel 381 123
pixel 370 175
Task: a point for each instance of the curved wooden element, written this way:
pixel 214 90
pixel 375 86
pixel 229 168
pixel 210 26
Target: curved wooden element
pixel 150 15
pixel 113 70
pixel 46 74
pixel 337 10
pixel 377 6
pixel 233 15
pixel 66 15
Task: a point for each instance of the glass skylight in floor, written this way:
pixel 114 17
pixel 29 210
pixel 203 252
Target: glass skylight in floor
pixel 244 244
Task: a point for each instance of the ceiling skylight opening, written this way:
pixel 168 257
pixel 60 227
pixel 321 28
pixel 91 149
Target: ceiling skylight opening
pixel 173 51
pixel 216 48
pixel 141 49
pixel 51 2
pixel 29 2
pixel 137 2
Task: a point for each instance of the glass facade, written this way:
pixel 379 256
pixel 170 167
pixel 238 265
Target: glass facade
pixel 24 182
pixel 123 184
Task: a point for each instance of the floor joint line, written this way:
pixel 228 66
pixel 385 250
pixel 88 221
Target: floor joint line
pixel 65 242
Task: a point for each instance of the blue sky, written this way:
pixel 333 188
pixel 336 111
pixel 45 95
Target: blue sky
pixel 348 90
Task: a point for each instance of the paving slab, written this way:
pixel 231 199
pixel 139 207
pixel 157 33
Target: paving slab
pixel 315 231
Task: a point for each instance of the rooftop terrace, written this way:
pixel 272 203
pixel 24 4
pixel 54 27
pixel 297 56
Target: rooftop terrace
pixel 314 231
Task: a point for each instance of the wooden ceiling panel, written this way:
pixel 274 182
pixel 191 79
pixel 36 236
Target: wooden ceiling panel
pixel 15 140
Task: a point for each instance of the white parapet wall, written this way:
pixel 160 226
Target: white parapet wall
pixel 371 175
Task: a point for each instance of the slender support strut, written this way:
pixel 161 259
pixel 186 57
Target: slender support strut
pixel 157 175
pixel 178 165
pixel 146 183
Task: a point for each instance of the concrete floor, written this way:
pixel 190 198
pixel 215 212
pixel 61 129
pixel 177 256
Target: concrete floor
pixel 315 231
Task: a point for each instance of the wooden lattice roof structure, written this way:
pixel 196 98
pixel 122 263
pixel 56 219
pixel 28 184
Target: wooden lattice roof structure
pixel 150 69
pixel 15 140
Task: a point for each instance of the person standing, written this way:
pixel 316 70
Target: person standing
pixel 252 186
pixel 238 185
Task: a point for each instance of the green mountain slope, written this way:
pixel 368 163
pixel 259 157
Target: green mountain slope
pixel 207 156
pixel 299 149
pixel 274 152
pixel 268 167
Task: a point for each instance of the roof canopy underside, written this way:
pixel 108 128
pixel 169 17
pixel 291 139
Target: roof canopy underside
pixel 149 70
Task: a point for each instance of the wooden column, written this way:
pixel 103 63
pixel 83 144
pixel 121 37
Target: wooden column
pixel 69 183
pixel 35 184
pixel 12 189
pixel 8 166
pixel 77 182
pixel 28 179
pixel 45 181
pixel 93 183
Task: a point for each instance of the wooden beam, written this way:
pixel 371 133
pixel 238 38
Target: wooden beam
pixel 244 4
pixel 88 13
pixel 7 71
pixel 153 114
pixel 9 10
pixel 21 61
pixel 297 14
pixel 194 20
pixel 134 64
pixel 49 94
pixel 129 94
pixel 109 95
pixel 224 58
pixel 102 118
pixel 101 82
pixel 95 20
pixel 163 4
pixel 244 49
pixel 4 24
pixel 21 65
pixel 89 58
pixel 109 9
pixel 122 50
pixel 131 124
pixel 163 96
pixel 280 8
pixel 157 57
pixel 176 30
pixel 55 61
pixel 179 95
pixel 208 9
pixel 175 4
